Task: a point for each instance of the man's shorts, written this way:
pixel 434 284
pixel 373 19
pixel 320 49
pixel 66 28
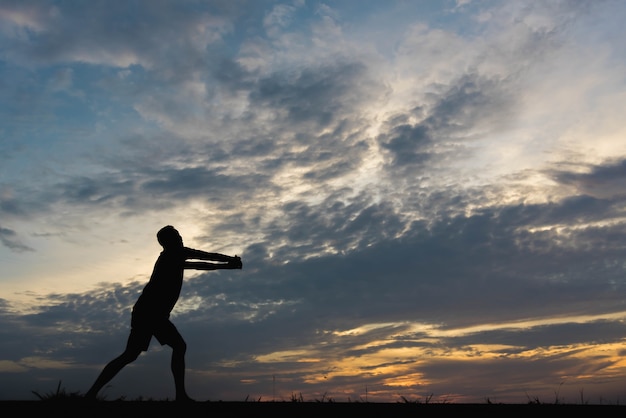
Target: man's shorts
pixel 163 330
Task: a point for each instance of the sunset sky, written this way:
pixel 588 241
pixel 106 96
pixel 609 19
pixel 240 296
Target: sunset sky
pixel 429 197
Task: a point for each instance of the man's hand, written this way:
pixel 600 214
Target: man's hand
pixel 235 263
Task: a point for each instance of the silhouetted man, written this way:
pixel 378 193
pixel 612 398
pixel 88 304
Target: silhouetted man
pixel 150 315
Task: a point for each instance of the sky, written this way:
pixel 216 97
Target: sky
pixel 428 197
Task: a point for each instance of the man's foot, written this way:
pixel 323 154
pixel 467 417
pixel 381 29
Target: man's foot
pixel 184 398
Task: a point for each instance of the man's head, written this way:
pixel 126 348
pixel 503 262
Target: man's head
pixel 169 237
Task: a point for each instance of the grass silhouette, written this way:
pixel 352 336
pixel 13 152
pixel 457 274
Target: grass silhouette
pixel 60 394
pixel 68 404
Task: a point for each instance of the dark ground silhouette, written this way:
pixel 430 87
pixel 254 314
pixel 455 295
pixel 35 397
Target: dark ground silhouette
pixel 136 409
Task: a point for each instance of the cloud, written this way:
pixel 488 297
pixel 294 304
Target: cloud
pixel 279 18
pixel 76 35
pixel 9 239
pixel 604 181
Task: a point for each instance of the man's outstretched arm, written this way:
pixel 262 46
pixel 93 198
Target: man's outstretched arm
pixel 204 255
pixel 233 264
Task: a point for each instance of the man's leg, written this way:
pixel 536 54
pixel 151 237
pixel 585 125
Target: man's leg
pixel 138 341
pixel 168 334
pixel 178 370
pixel 111 369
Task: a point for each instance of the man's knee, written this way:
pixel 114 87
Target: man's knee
pixel 130 355
pixel 179 346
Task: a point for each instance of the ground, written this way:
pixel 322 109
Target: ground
pixel 121 409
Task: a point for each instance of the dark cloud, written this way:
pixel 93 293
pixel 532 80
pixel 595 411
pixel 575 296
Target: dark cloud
pixel 62 34
pixel 469 102
pixel 534 337
pixel 9 239
pixel 151 188
pixel 20 204
pixel 231 76
pixel 186 183
pixel 470 106
pixel 605 181
pixel 406 141
pixel 312 95
pixel 335 224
